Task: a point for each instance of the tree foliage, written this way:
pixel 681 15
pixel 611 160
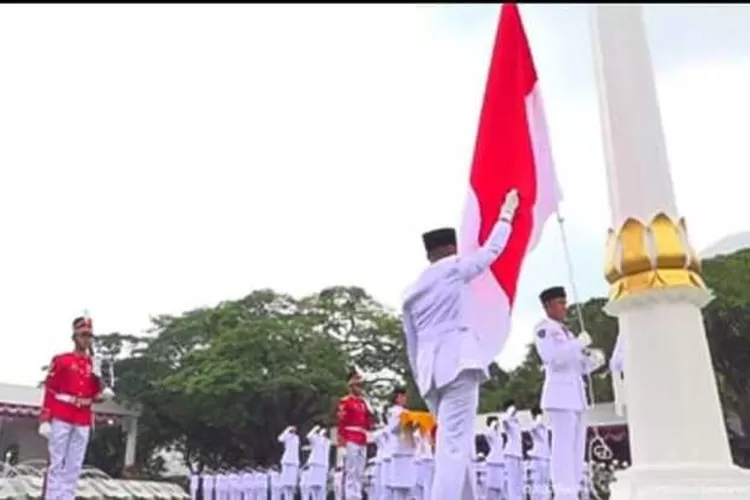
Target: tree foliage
pixel 219 384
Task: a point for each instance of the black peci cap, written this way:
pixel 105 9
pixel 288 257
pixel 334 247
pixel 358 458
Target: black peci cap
pixel 439 238
pixel 556 292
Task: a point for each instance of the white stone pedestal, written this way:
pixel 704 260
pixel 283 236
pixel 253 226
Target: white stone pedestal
pixel 678 441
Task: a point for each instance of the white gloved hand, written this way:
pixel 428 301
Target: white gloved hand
pixel 96 367
pixel 45 429
pixel 599 357
pixel 584 339
pixel 108 394
pixel 510 205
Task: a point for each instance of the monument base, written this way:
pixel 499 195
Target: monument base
pixel 682 482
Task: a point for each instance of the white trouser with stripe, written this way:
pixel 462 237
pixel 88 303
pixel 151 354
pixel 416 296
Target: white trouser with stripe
pixel 455 406
pixel 354 470
pixel 67 449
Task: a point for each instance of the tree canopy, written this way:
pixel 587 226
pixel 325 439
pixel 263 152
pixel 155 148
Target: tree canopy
pixel 219 384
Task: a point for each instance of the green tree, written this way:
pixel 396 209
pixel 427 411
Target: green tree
pixel 370 335
pixel 219 384
pixel 727 321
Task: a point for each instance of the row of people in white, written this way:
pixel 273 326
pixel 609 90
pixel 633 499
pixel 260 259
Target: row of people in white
pixel 313 477
pixel 243 485
pixel 403 465
pixel 506 477
pixel 534 485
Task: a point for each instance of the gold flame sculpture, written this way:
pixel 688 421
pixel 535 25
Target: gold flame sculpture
pixel 642 257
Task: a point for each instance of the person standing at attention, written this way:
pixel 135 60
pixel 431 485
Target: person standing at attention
pixel 444 354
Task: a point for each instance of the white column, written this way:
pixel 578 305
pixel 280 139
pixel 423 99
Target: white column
pixel 131 439
pixel 678 439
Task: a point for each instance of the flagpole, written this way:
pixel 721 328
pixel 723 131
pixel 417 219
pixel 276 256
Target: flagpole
pixel 597 447
pixel 569 264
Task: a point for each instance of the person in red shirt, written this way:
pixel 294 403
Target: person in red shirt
pixel 72 386
pixel 355 419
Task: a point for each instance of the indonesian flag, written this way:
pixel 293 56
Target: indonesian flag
pixel 512 151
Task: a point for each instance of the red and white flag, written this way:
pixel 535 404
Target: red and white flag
pixel 512 151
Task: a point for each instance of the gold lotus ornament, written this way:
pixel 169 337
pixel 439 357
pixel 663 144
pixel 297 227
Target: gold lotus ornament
pixel 644 256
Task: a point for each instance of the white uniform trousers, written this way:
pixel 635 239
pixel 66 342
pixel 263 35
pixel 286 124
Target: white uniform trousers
pixel 540 484
pixel 455 408
pixel 288 480
pixel 354 470
pixel 496 482
pixel 568 452
pixel 515 478
pixel 425 472
pixel 67 449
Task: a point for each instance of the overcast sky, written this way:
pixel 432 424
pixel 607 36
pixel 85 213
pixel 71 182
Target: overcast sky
pixel 155 158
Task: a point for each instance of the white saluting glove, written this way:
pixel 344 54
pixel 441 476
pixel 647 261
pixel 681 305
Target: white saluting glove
pixel 108 394
pixel 584 339
pixel 510 205
pixel 598 357
pixel 96 367
pixel 44 430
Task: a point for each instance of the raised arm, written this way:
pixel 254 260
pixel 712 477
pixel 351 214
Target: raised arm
pixel 284 434
pixel 472 265
pixel 393 426
pixel 410 333
pixel 313 433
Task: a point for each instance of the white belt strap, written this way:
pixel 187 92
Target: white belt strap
pixel 69 398
pixel 66 398
pixel 355 428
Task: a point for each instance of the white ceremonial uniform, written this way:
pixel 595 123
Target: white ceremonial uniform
pixel 317 463
pixel 564 401
pixel 480 473
pixel 220 486
pixel 403 475
pixel 539 460
pixel 237 486
pixel 207 486
pixel 513 454
pixel 425 468
pixel 274 484
pixel 380 438
pixel 445 357
pixel 617 369
pixel 369 484
pixel 495 463
pixel 246 482
pixel 304 483
pixel 289 463
pixel 260 485
pixel 386 492
pixel 338 485
pixel 586 482
pixel 195 481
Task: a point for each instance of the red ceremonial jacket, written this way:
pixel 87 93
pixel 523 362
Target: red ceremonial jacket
pixel 70 378
pixel 354 420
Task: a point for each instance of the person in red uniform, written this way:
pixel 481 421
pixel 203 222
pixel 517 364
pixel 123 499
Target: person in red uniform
pixel 72 386
pixel 355 420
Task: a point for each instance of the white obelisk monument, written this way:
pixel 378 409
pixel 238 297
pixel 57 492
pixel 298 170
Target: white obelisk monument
pixel 678 439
